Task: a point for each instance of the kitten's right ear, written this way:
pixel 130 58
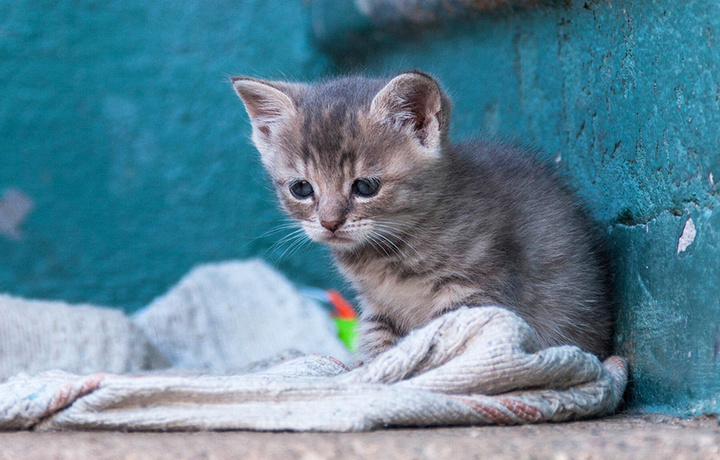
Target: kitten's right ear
pixel 413 103
pixel 266 104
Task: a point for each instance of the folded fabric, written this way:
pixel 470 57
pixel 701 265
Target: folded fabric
pixel 472 366
pixel 220 318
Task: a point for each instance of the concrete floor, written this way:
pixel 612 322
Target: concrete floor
pixel 625 436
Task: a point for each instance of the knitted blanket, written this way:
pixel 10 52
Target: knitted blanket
pixel 472 366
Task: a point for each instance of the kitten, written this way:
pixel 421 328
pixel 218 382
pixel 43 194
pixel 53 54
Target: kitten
pixel 422 227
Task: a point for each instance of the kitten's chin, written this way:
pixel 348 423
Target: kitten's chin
pixel 341 240
pixel 337 242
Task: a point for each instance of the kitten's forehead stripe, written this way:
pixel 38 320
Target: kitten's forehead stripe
pixel 347 161
pixel 310 159
pixel 330 128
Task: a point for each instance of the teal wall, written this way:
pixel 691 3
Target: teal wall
pixel 116 119
pixel 625 96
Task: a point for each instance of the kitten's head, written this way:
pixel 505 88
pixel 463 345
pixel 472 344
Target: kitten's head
pixel 351 159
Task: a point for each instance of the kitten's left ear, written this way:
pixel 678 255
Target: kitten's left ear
pixel 414 103
pixel 269 104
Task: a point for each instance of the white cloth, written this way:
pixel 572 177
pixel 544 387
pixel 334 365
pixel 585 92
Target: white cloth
pixel 220 318
pixel 226 317
pixel 469 367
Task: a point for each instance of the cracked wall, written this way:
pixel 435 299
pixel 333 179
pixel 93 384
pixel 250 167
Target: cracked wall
pixel 625 97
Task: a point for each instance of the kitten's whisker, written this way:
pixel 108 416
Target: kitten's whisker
pixel 414 226
pixel 386 242
pixel 297 245
pixel 398 229
pixel 374 237
pixel 406 227
pixel 304 245
pixel 277 229
pixel 376 244
pixel 388 230
pixel 296 242
pixel 288 224
pixel 393 246
pixel 289 238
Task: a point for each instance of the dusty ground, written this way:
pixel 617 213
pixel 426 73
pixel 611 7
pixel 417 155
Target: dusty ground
pixel 626 436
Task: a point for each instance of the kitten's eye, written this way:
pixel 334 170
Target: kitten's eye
pixel 366 187
pixel 301 189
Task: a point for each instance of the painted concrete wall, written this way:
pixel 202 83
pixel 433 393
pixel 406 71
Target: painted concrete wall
pixel 124 156
pixel 625 96
pixel 118 122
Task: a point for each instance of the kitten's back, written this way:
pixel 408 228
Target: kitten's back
pixel 554 267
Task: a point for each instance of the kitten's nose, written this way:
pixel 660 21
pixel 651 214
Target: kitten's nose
pixel 332 225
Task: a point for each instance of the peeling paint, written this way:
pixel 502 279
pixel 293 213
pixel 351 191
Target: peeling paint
pixel 687 237
pixel 669 309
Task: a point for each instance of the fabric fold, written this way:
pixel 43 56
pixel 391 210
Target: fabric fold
pixel 472 366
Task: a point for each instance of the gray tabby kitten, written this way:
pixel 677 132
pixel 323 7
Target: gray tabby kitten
pixel 422 227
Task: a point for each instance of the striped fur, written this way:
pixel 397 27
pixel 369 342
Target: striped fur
pixel 451 225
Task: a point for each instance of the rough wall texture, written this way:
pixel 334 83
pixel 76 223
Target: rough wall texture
pixel 625 96
pixel 118 121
